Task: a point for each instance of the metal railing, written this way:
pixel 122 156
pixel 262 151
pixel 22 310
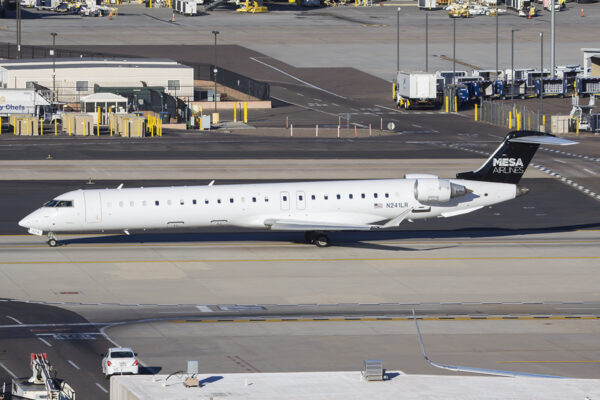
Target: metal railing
pixel 515 118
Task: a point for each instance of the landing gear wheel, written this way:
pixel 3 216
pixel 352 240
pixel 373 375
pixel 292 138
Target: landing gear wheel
pixel 321 240
pixel 52 242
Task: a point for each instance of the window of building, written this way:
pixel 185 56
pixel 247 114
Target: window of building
pixel 81 86
pixel 173 84
pixel 30 84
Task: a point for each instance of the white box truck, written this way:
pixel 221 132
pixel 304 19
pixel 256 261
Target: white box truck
pixel 416 89
pixel 22 101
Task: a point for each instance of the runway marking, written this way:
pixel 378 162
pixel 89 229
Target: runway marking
pixel 591 172
pixel 315 109
pixel 8 370
pixel 205 309
pixel 14 319
pixel 73 364
pixel 376 319
pixel 296 78
pixel 548 362
pixel 44 341
pixel 101 387
pixel 492 258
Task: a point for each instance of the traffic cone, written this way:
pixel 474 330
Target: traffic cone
pixel 582 14
pixel 173 17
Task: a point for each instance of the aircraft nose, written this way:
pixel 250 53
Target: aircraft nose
pixel 25 222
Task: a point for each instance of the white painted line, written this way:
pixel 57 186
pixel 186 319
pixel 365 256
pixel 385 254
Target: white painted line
pixel 8 370
pixel 74 365
pixel 14 319
pixel 295 78
pixel 204 309
pixel 45 342
pixel 417 126
pixel 591 172
pixel 560 161
pixel 101 387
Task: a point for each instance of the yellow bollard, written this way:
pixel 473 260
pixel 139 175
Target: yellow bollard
pixel 55 127
pixel 111 125
pixel 0 125
pixel 15 126
pixel 234 111
pixel 544 120
pixel 245 112
pixel 447 104
pixel 139 127
pixel 98 124
pixel 27 122
pixel 69 126
pixel 41 127
pixel 126 126
pixel 455 103
pixel 83 123
pixel 510 120
pixel 393 92
pixel 475 111
pixel 577 126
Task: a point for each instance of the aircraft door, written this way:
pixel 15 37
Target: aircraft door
pixel 300 201
pixel 93 207
pixel 284 198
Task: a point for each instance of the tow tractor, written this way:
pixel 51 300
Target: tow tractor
pixel 43 383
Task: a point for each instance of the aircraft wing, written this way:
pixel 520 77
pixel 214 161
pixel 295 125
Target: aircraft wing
pixel 300 225
pixel 458 368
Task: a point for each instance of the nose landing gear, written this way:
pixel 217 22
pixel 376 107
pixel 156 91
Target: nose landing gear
pixel 317 238
pixel 52 240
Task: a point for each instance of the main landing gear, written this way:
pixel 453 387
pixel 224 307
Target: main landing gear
pixel 52 240
pixel 317 238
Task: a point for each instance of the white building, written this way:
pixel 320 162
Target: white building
pixel 76 77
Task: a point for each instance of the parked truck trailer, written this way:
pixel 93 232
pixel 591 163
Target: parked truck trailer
pixel 416 89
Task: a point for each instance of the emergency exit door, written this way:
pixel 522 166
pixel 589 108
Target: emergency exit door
pixel 93 206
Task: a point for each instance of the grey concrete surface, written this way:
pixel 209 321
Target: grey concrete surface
pixel 473 267
pixel 568 348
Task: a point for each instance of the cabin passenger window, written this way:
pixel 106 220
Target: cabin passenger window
pixel 387 195
pixel 284 198
pixel 156 203
pixel 300 197
pixel 326 197
pixel 350 196
pixel 194 201
pixel 338 197
pixel 231 200
pixel 219 201
pixel 313 197
pixel 254 199
pixel 181 202
pixel 266 199
pixel 205 201
pixel 362 195
pixel 375 195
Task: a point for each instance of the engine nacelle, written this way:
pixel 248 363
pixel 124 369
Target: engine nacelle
pixel 437 190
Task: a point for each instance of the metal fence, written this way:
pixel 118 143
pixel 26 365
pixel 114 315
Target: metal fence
pixel 511 117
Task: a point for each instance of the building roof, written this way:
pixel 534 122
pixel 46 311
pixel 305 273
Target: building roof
pixel 102 98
pixel 350 386
pixel 89 62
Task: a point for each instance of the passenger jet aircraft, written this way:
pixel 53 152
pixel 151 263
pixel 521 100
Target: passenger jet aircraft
pixel 312 207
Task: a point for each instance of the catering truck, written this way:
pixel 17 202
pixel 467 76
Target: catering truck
pixel 22 101
pixel 413 89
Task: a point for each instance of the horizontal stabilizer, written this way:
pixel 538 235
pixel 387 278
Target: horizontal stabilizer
pixel 546 140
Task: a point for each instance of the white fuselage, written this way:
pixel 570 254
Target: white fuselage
pixel 251 205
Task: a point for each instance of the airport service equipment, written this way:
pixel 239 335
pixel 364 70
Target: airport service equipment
pixel 551 87
pixel 416 88
pixel 587 86
pixel 187 7
pixel 21 101
pixel 43 383
pixel 428 4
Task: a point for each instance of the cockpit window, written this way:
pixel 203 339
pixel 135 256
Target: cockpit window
pixel 59 203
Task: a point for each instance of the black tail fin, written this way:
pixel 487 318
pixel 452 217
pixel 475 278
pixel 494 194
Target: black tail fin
pixel 510 160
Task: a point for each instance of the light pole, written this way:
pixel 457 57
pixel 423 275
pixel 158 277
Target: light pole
pixel 426 41
pixel 54 65
pixel 552 45
pixel 398 39
pixel 541 79
pixel 454 51
pixel 497 39
pixel 18 17
pixel 215 70
pixel 512 67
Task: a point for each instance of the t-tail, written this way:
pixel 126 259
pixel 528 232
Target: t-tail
pixel 510 160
